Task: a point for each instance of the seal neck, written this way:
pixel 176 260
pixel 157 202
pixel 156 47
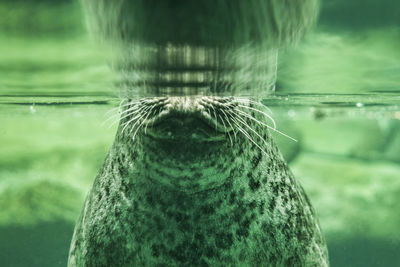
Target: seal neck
pixel 186 166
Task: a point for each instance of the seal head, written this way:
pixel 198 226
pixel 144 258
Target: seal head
pixel 160 200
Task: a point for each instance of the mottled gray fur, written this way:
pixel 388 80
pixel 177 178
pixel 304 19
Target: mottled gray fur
pixel 164 198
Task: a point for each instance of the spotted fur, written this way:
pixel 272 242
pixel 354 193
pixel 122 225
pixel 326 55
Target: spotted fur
pixel 191 201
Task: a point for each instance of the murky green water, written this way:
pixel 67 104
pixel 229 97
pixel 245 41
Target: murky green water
pixel 338 93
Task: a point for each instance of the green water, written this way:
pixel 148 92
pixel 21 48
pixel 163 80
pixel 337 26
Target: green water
pixel 338 93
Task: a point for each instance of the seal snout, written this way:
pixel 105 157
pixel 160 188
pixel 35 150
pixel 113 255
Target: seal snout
pixel 201 117
pixel 188 117
pixel 177 125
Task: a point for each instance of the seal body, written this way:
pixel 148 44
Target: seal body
pixel 196 181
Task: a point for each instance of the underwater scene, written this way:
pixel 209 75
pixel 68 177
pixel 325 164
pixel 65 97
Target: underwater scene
pixel 336 107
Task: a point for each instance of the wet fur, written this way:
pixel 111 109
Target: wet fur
pixel 189 202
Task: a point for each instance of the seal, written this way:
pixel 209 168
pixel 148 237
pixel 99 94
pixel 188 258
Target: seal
pixel 196 181
pixel 193 177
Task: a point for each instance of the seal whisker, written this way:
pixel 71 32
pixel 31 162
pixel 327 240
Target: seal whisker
pixel 140 116
pixel 234 120
pixel 131 103
pixel 266 125
pixel 141 110
pixel 115 108
pixel 251 129
pixel 252 118
pixel 285 135
pixel 147 110
pixel 141 124
pixel 131 114
pixel 208 111
pixel 227 119
pixel 229 135
pixel 259 111
pixel 215 116
pixel 112 110
pixel 133 109
pixel 242 100
pixel 243 131
pixel 152 109
pixel 112 116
